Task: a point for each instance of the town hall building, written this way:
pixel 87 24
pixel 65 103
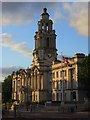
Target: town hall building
pixel 48 79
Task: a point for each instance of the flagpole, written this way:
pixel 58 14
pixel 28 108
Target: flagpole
pixel 68 64
pixel 62 72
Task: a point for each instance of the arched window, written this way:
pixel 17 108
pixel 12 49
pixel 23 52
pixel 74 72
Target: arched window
pixel 42 27
pixel 46 26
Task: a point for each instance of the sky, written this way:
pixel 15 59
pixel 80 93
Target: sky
pixel 19 24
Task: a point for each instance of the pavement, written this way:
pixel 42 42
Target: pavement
pixel 26 115
pixel 46 113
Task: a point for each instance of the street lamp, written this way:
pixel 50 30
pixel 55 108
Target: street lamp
pixel 27 76
pixel 49 96
pixel 26 89
pixel 62 87
pixel 50 86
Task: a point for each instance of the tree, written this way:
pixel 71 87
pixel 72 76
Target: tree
pixel 84 75
pixel 7 89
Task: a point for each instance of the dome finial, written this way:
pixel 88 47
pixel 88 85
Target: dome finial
pixel 45 10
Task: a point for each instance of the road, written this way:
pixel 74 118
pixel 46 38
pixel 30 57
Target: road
pixel 50 115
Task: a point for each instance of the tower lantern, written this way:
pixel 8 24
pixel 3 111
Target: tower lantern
pixel 45 15
pixel 45 10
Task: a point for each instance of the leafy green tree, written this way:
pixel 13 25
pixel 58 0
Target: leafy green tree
pixel 7 89
pixel 84 75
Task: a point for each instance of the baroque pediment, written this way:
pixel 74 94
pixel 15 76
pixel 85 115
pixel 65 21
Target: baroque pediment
pixel 35 69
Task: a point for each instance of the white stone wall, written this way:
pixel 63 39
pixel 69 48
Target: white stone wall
pixel 68 83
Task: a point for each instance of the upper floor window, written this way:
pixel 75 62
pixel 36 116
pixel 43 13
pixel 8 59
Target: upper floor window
pixel 47 26
pixel 60 73
pixel 61 84
pixel 47 41
pixel 42 27
pixel 57 96
pixel 57 85
pixel 65 73
pixel 14 85
pixel 57 74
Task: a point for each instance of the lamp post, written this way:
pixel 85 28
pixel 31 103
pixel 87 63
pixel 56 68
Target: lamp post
pixel 63 86
pixel 16 88
pixel 50 86
pixel 49 94
pixel 27 76
pixel 50 91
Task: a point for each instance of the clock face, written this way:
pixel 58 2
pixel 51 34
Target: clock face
pixel 49 55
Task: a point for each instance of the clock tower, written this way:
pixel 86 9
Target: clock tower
pixel 45 39
pixel 44 53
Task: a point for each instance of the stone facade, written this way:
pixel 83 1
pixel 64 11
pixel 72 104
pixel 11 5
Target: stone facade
pixel 47 78
pixel 21 86
pixel 65 79
pixel 44 53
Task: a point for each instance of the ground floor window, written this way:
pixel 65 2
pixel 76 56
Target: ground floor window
pixel 57 97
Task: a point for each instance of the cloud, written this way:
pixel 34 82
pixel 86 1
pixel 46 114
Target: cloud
pixel 15 13
pixel 21 12
pixel 6 40
pixel 5 71
pixel 77 15
pixel 57 15
pixel 34 0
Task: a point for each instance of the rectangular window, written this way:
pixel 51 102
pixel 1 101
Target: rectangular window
pixel 36 97
pixel 57 74
pixel 48 42
pixel 41 82
pixel 60 73
pixel 61 84
pixel 57 96
pixel 61 96
pixel 36 81
pixel 73 73
pixel 14 85
pixel 65 73
pixel 57 85
pixel 65 84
